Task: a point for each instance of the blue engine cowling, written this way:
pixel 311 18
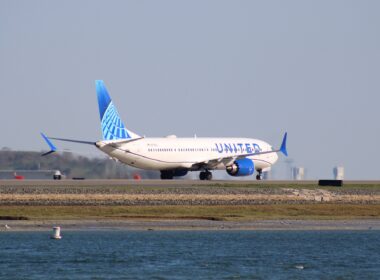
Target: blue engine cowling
pixel 241 167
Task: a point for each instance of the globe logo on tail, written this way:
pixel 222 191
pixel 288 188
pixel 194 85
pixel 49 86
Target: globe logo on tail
pixel 112 126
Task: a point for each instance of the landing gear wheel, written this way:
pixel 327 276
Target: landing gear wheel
pixel 258 176
pixel 205 175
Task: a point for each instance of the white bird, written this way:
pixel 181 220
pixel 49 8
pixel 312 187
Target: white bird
pixel 7 227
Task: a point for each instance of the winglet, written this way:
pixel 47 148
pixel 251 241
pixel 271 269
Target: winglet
pixel 283 145
pixel 51 145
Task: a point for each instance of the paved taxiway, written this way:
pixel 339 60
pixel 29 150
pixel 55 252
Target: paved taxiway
pixel 169 183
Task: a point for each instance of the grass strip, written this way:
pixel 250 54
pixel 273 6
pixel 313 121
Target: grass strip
pixel 227 213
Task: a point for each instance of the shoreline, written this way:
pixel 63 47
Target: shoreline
pixel 188 225
pixel 188 205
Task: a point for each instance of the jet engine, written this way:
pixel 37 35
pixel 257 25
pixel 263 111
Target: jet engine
pixel 241 167
pixel 180 172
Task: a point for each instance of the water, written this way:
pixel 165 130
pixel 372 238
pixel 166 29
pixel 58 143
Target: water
pixel 116 254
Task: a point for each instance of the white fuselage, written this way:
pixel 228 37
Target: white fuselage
pixel 184 153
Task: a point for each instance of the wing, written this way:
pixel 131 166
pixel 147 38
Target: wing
pixel 228 160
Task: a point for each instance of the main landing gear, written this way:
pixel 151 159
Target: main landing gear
pixel 167 175
pixel 205 175
pixel 258 176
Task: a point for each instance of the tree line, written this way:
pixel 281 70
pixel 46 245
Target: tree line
pixel 71 165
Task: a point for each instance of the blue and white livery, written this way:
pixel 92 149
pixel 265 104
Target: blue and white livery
pixel 112 126
pixel 175 157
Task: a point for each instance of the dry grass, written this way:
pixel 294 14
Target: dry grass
pixel 230 213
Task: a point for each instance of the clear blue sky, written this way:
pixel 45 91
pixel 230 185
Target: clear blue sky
pixel 214 68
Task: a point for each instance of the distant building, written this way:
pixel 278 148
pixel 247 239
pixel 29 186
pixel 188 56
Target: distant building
pixel 338 172
pixel 31 174
pixel 298 173
pixel 266 175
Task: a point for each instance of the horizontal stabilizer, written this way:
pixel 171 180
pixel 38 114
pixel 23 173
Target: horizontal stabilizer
pixel 50 144
pixel 54 148
pixel 74 141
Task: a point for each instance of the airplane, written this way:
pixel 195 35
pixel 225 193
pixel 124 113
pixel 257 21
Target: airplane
pixel 175 157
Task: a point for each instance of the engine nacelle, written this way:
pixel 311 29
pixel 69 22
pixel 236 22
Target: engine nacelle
pixel 241 167
pixel 179 172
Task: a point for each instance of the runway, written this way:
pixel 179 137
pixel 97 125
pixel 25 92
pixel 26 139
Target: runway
pixel 174 183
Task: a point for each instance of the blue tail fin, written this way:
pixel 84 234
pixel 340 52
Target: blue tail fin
pixel 112 126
